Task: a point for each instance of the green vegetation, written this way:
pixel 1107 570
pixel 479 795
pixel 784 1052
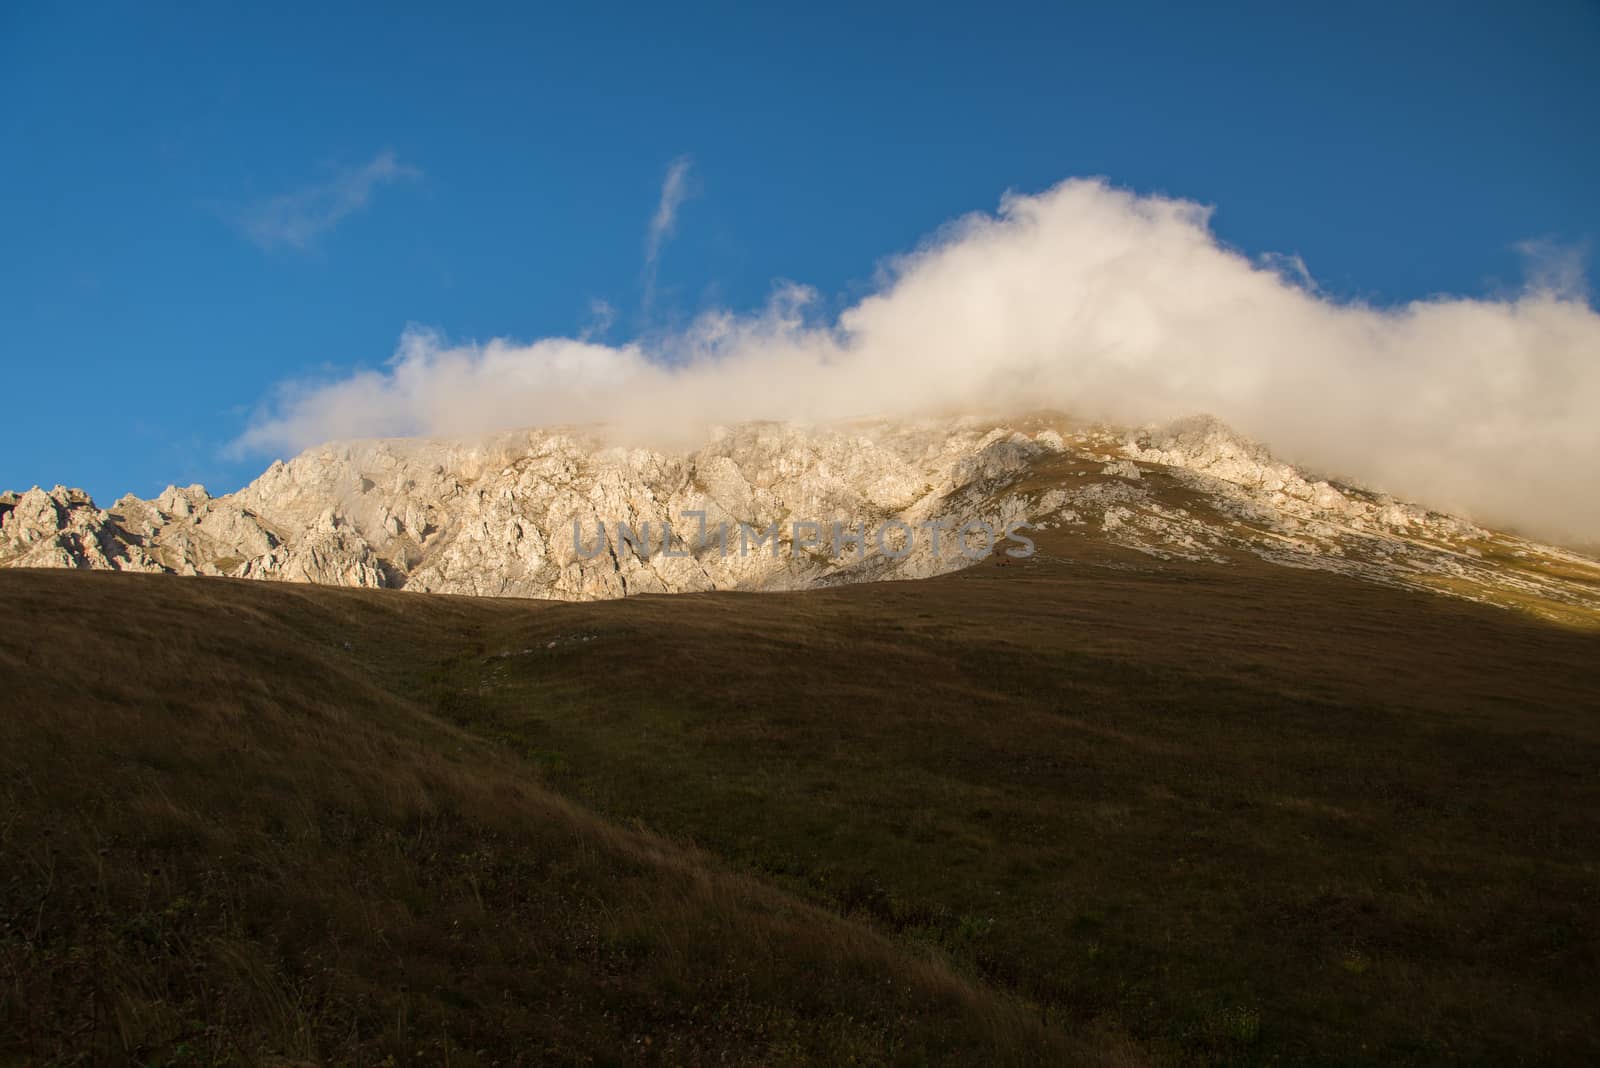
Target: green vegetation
pixel 1090 808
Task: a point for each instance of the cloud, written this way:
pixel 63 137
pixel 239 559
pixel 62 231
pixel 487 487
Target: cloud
pixel 1555 268
pixel 674 190
pixel 295 220
pixel 1086 298
pixel 602 316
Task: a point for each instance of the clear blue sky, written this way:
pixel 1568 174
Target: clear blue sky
pixel 174 240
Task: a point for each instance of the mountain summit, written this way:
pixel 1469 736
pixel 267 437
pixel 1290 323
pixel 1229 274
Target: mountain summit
pixel 537 513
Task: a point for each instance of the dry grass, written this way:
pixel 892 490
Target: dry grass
pixel 228 839
pixel 1177 799
pixel 1085 808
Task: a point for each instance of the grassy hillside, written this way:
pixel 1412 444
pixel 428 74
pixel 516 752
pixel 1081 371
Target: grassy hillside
pixel 1091 807
pixel 227 834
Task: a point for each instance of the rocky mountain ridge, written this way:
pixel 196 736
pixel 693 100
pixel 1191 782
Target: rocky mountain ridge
pixel 495 517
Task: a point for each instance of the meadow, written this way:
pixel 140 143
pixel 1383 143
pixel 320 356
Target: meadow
pixel 1091 808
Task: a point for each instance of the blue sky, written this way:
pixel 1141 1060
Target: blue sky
pixel 201 204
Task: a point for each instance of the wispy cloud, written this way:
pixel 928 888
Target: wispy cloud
pixel 674 190
pixel 601 318
pixel 1555 267
pixel 296 219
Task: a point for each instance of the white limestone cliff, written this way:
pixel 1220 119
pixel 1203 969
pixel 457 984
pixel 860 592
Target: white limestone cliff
pixel 494 517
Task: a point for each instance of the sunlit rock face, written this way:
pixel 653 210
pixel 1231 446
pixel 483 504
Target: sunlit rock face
pixel 497 516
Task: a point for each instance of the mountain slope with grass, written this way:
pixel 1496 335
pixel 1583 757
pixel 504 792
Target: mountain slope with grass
pixel 1097 805
pixel 233 832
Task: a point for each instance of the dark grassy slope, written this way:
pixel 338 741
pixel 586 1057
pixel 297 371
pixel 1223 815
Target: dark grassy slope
pixel 1244 814
pixel 225 838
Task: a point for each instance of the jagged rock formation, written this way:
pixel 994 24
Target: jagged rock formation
pixel 495 517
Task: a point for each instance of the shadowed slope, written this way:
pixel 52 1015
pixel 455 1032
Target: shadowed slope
pixel 1242 813
pixel 230 834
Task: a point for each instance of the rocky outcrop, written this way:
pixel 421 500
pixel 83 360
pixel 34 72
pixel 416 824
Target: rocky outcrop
pixel 496 517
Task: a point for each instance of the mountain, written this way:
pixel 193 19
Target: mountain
pixel 1224 763
pixel 495 516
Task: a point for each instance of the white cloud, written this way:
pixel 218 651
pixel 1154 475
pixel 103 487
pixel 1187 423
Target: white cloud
pixel 602 316
pixel 674 190
pixel 1555 268
pixel 296 219
pixel 1089 299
